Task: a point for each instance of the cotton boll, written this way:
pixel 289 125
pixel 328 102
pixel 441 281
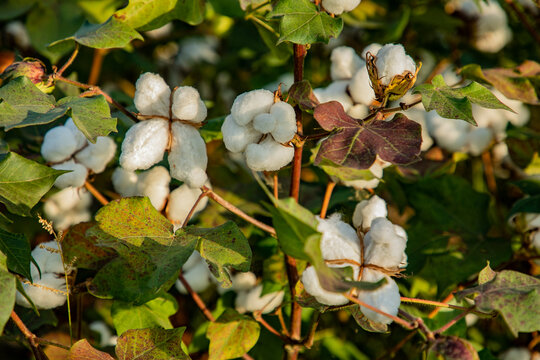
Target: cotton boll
pixel 384 246
pixel 202 112
pixel 360 87
pixel 188 158
pixel 493 41
pixel 535 240
pixel 63 200
pixel 385 298
pixel 186 104
pixel 195 50
pixel 19 33
pixel 339 239
pixel 80 139
pixel 68 207
pixel 181 200
pixel 47 294
pixel 336 91
pixel 516 353
pixel 154 183
pixel 358 111
pixel 152 96
pixel 268 155
pixel 391 61
pixel 362 184
pixel 419 115
pixel 75 178
pixel 198 277
pixel 253 301
pixel 339 6
pixel 522 113
pixel 235 137
pixel 59 144
pixel 194 259
pixel 250 104
pixel 125 182
pixel 96 156
pixel 106 337
pixel 264 123
pixel 311 283
pixel 450 134
pixel 48 257
pixel 285 122
pixel 345 61
pixel 243 281
pixel 478 140
pixel 367 210
pixel 371 48
pixel 144 144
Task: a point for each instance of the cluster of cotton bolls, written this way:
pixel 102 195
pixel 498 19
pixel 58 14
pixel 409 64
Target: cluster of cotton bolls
pixel 47 291
pixel 261 129
pixel 384 248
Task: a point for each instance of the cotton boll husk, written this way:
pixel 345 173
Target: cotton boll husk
pixel 358 111
pixel 144 144
pixel 181 200
pixel 371 48
pixel 336 91
pixel 59 144
pixel 345 61
pixel 339 239
pixel 152 96
pixel 385 298
pixel 285 122
pixel 198 277
pixel 154 183
pixel 264 123
pixel 188 158
pixel 235 137
pixel 367 210
pixel 125 182
pixel 360 87
pixel 186 104
pixel 391 61
pixel 42 297
pixel 478 140
pixel 313 287
pixel 75 178
pixel 48 258
pixel 250 104
pixel 384 246
pixel 253 301
pixel 268 155
pixel 80 139
pixel 96 156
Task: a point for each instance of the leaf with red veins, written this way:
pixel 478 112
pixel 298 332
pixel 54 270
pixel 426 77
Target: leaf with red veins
pixel 355 143
pixel 302 93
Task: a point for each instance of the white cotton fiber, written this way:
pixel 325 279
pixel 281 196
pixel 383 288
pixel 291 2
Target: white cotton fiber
pixel 198 277
pixel 345 61
pixel 106 337
pixel 250 104
pixel 59 144
pixel 419 115
pixel 517 353
pixel 75 178
pixel 360 87
pixel 187 158
pixel 96 156
pixel 336 91
pixel 367 210
pixel 68 207
pixel 192 261
pixel 373 49
pixel 391 61
pixel 243 281
pixel 339 6
pixel 154 184
pixel 80 139
pixel 187 104
pixel 264 123
pixel 125 182
pixel 450 134
pixel 44 295
pixel 311 283
pixel 152 96
pixel 358 111
pixel 144 144
pixel 385 298
pixel 268 155
pixel 478 140
pixel 235 137
pixel 250 301
pixel 339 239
pixel 384 244
pixel 491 31
pixel 181 200
pixel 47 256
pixel 285 122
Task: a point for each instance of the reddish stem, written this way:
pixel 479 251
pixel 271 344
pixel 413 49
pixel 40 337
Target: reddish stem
pixel 97 63
pixel 327 195
pixel 96 193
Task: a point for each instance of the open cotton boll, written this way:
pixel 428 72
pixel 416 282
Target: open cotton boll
pixel 152 96
pixel 144 144
pixel 48 294
pixel 373 49
pixel 106 337
pixel 384 246
pixel 336 91
pixel 75 178
pixel 188 159
pixel 391 61
pixel 198 277
pixel 419 115
pixel 285 122
pixel 250 104
pixel 80 139
pixel 385 298
pixel 235 137
pixel 450 134
pixel 311 283
pixel 264 123
pixel 517 353
pixel 358 111
pixel 187 104
pixel 478 140
pixel 360 87
pixel 339 6
pixel 195 50
pixel 535 240
pixel 59 144
pixel 250 301
pixel 96 156
pixel 181 200
pixel 125 182
pixel 376 169
pixel 367 210
pixel 68 207
pixel 48 257
pixel 268 155
pixel 243 281
pixel 339 239
pixel 154 183
pixel 345 61
pixel 64 200
pixel 493 41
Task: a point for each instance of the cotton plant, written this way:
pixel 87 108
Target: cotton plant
pixel 67 207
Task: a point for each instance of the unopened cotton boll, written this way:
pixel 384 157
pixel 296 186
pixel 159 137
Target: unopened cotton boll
pixel 75 178
pixel 269 155
pixel 345 62
pixel 478 140
pixel 384 244
pixel 236 137
pixel 391 61
pixel 336 91
pixel 187 104
pixel 96 156
pixel 367 210
pixel 152 96
pixel 264 123
pixel 181 200
pixel 250 301
pixel 125 182
pixel 385 298
pixel 80 139
pixel 373 49
pixel 339 6
pixel 339 239
pixel 154 184
pixel 59 144
pixel 311 283
pixel 360 87
pixel 144 144
pixel 47 292
pixel 198 277
pixel 250 104
pixel 188 158
pixel 285 122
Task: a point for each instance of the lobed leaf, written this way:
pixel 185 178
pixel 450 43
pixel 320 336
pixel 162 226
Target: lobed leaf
pixel 82 249
pixel 151 344
pixel 82 350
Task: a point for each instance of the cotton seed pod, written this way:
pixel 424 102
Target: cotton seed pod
pixel 478 140
pixel 285 122
pixel 188 158
pixel 367 210
pixel 197 277
pixel 80 139
pixel 250 301
pixel 48 258
pixel 75 178
pixel 336 91
pixel 264 123
pixel 268 155
pixel 187 105
pixel 384 246
pixel 154 184
pixel 339 239
pixel 59 144
pixel 360 87
pixel 181 200
pixel 41 296
pixel 235 137
pixel 152 95
pixel 125 182
pixel 385 298
pixel 250 104
pixel 345 61
pixel 96 156
pixel 144 144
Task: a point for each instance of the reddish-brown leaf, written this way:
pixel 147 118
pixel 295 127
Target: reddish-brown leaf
pixel 82 350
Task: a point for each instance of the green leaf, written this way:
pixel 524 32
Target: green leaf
pixel 530 204
pixel 17 249
pixel 227 8
pixel 211 130
pixel 7 289
pixel 151 344
pixel 222 247
pixel 11 9
pixel 190 11
pixel 82 250
pixel 232 335
pixel 24 182
pixel 154 313
pixel 514 295
pixel 139 13
pixel 23 104
pixel 302 23
pixel 82 350
pixel 456 103
pixel 529 186
pixel 91 115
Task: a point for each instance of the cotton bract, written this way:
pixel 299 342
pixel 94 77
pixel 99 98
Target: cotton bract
pixel 391 61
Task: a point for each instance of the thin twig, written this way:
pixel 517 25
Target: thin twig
pixel 192 211
pixel 69 61
pixel 257 315
pixel 400 321
pixel 207 314
pixel 276 185
pixel 308 341
pixel 32 339
pixel 446 300
pixel 398 346
pixel 327 195
pixel 433 303
pixel 452 322
pixel 418 323
pixel 97 62
pixel 284 329
pixel 401 107
pixel 488 170
pixel 96 193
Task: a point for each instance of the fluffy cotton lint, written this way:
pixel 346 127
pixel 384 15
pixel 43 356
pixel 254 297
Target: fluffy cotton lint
pixel 144 144
pixel 152 95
